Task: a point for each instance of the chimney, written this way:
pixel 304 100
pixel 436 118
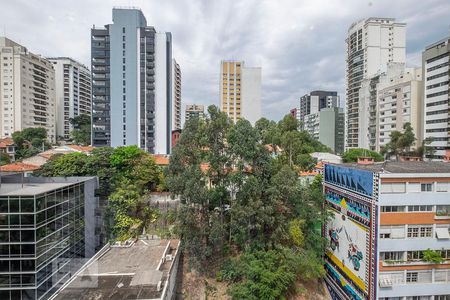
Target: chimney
pixel 365 160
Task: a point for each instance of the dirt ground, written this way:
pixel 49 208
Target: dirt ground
pixel 196 287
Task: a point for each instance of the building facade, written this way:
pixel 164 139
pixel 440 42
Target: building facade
pixel 73 93
pixel 388 101
pixel 371 44
pixel 176 97
pixel 435 68
pixel 386 217
pixel 313 102
pixel 327 126
pixel 47 228
pixel 194 111
pixel 132 85
pixel 27 93
pixel 240 91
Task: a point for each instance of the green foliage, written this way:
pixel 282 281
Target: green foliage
pixel 235 195
pixel 400 142
pixel 30 141
pixel 269 274
pixel 125 175
pixel 296 233
pixel 352 155
pixel 4 159
pixel 81 133
pixel 432 256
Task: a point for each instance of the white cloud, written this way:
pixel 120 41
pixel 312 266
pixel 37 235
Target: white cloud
pixel 299 44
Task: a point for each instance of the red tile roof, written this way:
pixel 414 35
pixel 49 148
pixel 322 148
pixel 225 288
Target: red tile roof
pixel 6 142
pixel 18 167
pixel 161 159
pixel 81 148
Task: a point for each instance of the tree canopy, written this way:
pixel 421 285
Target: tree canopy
pixel 30 141
pixel 352 155
pixel 81 133
pixel 236 195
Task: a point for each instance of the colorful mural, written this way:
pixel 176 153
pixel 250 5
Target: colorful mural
pixel 348 240
pixel 359 181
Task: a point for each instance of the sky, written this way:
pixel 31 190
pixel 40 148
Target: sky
pixel 300 45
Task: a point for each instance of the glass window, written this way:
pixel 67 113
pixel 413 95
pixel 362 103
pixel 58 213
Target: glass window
pixel 411 276
pixel 426 187
pixel 3 205
pixel 27 204
pixel 14 205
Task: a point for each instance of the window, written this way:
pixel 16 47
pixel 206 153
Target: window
pixel 391 255
pixel 392 208
pixel 411 277
pixel 442 187
pixel 418 298
pixel 443 210
pixel 420 231
pixel 426 187
pixel 123 29
pixel 416 208
pixel 414 255
pixel 389 188
pixel 442 297
pixel 385 235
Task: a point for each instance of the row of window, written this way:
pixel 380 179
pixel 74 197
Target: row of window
pixel 412 231
pixel 410 255
pixel 414 187
pixel 440 209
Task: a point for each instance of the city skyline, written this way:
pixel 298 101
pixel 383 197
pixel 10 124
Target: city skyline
pixel 306 50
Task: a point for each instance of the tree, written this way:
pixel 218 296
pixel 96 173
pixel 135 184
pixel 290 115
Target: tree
pixel 4 159
pixel 30 141
pixel 81 133
pixel 400 142
pixel 433 256
pixel 352 155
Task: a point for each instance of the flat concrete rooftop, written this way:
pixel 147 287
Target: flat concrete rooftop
pixel 29 189
pixel 121 273
pixel 401 167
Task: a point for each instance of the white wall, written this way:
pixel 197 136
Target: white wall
pixel 160 93
pixel 251 94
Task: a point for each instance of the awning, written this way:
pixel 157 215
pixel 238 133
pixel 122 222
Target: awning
pixel 442 233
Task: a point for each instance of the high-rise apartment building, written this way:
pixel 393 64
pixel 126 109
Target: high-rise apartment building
pixel 371 44
pixel 388 220
pixel 73 93
pixel 176 97
pixel 47 232
pixel 316 100
pixel 132 85
pixel 194 111
pixel 240 91
pixel 27 92
pixel 388 100
pixel 327 126
pixel 435 68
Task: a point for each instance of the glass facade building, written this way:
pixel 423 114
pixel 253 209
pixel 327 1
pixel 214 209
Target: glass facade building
pixel 43 236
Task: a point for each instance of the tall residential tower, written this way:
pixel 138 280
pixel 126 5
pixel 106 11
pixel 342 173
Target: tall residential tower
pixel 240 91
pixel 371 44
pixel 27 93
pixel 435 68
pixel 73 93
pixel 176 97
pixel 131 83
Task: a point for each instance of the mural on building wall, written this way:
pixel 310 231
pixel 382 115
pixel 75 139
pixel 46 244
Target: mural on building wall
pixel 356 180
pixel 347 241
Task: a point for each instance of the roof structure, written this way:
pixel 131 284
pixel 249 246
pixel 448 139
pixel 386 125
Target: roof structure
pixel 18 167
pixel 402 167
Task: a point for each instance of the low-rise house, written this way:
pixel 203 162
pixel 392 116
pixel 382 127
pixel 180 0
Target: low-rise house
pixel 7 146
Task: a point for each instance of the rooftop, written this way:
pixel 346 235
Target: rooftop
pixel 131 272
pixel 29 189
pixel 18 167
pixel 403 167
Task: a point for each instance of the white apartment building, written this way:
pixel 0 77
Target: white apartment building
pixel 435 68
pixel 240 91
pixel 176 97
pixel 73 93
pixel 388 101
pixel 371 44
pixel 27 90
pixel 194 111
pixel 399 101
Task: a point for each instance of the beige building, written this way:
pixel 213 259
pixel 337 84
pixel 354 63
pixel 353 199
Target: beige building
pixel 399 102
pixel 27 93
pixel 194 111
pixel 240 91
pixel 176 97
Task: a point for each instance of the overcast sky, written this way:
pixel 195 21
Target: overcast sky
pixel 300 45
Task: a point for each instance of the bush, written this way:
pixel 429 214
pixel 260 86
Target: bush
pixel 352 155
